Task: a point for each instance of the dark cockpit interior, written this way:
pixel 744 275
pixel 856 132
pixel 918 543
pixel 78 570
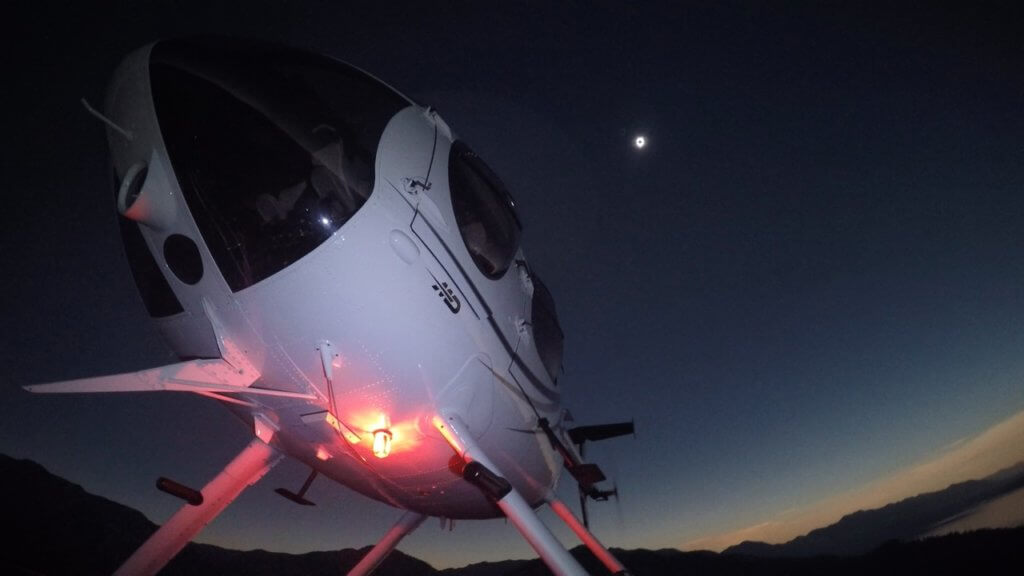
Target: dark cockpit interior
pixel 273 148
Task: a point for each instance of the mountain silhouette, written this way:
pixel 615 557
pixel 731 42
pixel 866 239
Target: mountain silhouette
pixel 866 530
pixel 57 528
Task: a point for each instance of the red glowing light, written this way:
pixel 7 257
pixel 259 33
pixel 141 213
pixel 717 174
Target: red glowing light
pixel 381 443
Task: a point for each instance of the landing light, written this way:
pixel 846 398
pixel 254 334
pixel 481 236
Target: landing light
pixel 381 443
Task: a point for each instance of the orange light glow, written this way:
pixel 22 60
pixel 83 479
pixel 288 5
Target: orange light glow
pixel 381 443
pixel 322 454
pixel 404 435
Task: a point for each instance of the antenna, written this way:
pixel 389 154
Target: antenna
pixel 126 133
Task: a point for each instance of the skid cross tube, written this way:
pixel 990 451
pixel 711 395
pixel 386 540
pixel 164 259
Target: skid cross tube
pixel 512 504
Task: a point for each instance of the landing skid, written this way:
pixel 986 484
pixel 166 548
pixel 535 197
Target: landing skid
pixel 259 457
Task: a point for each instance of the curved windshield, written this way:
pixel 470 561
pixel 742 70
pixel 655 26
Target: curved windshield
pixel 273 148
pixel 483 211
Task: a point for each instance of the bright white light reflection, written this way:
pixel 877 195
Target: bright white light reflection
pixel 640 142
pixel 325 221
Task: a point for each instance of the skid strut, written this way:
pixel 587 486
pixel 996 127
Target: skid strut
pixel 406 524
pixel 249 466
pixel 484 474
pixel 585 536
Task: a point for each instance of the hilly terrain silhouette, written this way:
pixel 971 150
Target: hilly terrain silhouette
pixel 865 530
pixel 58 528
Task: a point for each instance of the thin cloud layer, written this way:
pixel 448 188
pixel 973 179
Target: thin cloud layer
pixel 1000 446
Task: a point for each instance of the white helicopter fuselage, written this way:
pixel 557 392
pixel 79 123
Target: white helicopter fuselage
pixel 384 325
pixel 342 273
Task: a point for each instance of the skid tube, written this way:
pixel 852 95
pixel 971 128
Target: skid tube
pixel 485 475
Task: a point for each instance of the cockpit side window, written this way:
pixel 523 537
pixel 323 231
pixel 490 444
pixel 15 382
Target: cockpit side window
pixel 547 332
pixel 274 149
pixel 484 212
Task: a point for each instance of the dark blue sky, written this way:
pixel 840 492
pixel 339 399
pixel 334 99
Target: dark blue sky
pixel 812 277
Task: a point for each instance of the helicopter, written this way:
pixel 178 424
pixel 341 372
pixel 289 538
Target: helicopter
pixel 330 262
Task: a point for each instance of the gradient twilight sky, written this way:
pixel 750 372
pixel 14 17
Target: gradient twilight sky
pixel 809 284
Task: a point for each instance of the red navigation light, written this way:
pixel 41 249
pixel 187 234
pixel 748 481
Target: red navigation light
pixel 381 443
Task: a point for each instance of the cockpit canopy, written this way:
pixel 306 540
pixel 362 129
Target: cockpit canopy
pixel 484 211
pixel 273 148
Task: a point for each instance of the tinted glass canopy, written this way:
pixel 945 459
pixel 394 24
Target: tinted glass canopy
pixel 483 211
pixel 547 332
pixel 273 148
